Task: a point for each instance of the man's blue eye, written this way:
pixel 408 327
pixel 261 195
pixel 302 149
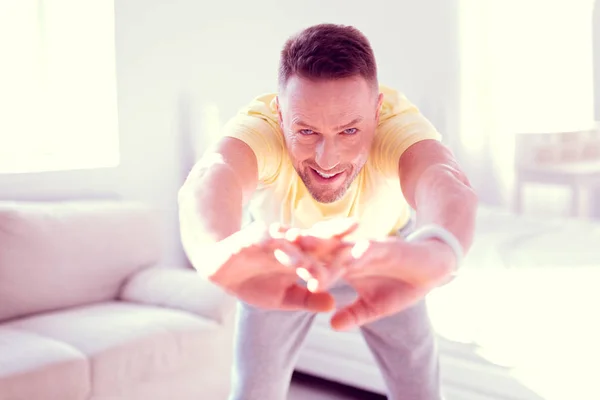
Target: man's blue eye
pixel 350 131
pixel 306 132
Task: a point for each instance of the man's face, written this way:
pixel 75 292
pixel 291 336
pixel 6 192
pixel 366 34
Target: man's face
pixel 328 128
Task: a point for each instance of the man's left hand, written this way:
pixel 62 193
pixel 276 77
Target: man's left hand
pixel 389 276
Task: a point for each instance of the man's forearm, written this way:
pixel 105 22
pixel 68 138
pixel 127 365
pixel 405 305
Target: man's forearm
pixel 444 197
pixel 210 210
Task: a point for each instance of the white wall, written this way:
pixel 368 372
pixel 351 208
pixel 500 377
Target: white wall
pixel 228 52
pixel 596 34
pixel 175 57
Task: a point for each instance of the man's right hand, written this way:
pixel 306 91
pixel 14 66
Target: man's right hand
pixel 256 265
pixel 261 267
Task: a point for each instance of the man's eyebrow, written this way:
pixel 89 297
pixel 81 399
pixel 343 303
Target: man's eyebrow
pixel 350 124
pixel 303 124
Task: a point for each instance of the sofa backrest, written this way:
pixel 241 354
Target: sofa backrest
pixel 64 254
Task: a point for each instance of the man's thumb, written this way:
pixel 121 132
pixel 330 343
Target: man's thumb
pixel 300 298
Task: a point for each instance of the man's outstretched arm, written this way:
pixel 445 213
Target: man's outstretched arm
pixel 434 185
pixel 244 261
pixel 392 275
pixel 212 198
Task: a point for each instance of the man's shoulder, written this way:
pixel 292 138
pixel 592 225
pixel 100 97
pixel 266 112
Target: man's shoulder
pixel 259 115
pixel 394 102
pixel 264 105
pixel 257 125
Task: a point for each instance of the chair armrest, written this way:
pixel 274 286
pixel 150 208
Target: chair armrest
pixel 179 288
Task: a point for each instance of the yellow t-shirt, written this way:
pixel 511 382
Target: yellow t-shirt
pixel 374 198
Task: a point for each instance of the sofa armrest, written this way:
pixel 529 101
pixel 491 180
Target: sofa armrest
pixel 179 288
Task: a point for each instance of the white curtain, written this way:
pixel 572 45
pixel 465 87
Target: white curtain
pixel 526 66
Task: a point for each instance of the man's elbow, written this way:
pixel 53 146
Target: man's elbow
pixel 459 184
pixel 442 175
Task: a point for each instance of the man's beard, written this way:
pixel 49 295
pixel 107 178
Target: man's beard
pixel 327 195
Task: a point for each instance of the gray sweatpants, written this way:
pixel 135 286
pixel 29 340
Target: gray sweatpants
pixel 267 345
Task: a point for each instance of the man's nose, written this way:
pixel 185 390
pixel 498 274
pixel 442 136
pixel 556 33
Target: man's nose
pixel 328 156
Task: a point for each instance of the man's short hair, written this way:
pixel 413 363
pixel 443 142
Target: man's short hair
pixel 327 51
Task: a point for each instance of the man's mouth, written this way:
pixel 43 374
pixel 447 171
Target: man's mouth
pixel 326 176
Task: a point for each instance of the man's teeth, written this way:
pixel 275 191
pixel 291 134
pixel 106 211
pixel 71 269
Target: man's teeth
pixel 326 176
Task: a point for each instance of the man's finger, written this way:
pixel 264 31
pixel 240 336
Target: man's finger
pixel 319 249
pixel 277 231
pixel 343 264
pixel 324 239
pixel 300 298
pixel 311 243
pixel 338 267
pixel 349 226
pixel 291 256
pixel 356 314
pixel 355 260
pixel 362 312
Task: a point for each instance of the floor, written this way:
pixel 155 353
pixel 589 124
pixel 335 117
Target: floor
pixel 305 387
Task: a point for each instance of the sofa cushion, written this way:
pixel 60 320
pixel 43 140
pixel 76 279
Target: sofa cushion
pixel 182 289
pixel 34 367
pixel 63 254
pixel 131 344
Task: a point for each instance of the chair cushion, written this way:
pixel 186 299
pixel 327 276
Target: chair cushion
pixel 35 367
pixel 63 254
pixel 131 344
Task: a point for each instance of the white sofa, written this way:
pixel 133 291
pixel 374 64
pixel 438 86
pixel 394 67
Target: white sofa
pixel 85 313
pixel 521 323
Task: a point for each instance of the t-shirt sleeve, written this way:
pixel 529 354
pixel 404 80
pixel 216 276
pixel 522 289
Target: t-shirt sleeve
pixel 401 125
pixel 256 126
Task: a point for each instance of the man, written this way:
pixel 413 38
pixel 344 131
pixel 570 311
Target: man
pixel 331 145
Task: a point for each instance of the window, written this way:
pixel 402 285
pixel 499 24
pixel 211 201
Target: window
pixel 58 101
pixel 526 67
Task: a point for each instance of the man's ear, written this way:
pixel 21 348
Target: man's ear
pixel 279 117
pixel 379 104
